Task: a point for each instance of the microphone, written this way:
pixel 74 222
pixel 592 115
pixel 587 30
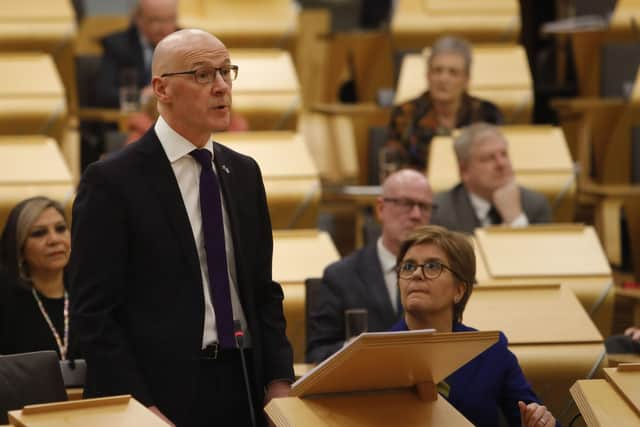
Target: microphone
pixel 239 335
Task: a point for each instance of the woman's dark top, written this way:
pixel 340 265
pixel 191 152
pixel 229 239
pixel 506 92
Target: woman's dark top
pixel 23 328
pixel 414 123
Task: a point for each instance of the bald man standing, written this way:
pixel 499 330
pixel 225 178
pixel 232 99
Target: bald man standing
pixel 172 255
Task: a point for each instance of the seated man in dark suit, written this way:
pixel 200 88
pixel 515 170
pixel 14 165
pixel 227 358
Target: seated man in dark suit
pixel 367 279
pixel 488 192
pixel 130 51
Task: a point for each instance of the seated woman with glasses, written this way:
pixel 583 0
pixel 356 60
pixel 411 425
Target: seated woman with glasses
pixel 445 106
pixel 34 305
pixel 436 273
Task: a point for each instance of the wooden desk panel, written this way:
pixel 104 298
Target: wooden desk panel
pixel 298 255
pixel 32 97
pixel 260 23
pixel 600 405
pixel 530 314
pixel 43 26
pixel 31 166
pixel 290 176
pixel 267 91
pixel 627 383
pixel 413 25
pixel 566 254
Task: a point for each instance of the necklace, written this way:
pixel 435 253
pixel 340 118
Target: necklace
pixel 62 346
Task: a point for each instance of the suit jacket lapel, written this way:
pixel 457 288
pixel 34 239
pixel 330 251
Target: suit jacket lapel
pixel 464 209
pixel 162 180
pixel 376 288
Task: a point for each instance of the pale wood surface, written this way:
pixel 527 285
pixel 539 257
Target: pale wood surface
pixel 32 166
pixel 290 176
pixel 384 409
pixel 540 158
pixel 600 405
pixel 267 90
pixel 32 96
pixel 105 412
pixel 542 251
pixel 498 73
pixel 552 369
pixel 280 154
pixel 298 255
pixel 481 7
pixel 413 25
pixel 43 26
pixel 627 383
pixel 531 314
pixel 409 358
pixel 301 254
pixel 259 23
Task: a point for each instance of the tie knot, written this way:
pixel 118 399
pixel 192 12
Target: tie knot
pixel 203 157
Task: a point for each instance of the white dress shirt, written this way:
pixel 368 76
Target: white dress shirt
pixel 482 208
pixel 187 172
pixel 388 263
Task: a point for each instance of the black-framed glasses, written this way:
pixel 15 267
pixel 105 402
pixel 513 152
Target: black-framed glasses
pixel 206 75
pixel 406 205
pixel 430 269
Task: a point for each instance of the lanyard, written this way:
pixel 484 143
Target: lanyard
pixel 62 346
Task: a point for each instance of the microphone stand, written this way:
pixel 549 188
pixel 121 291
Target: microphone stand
pixel 239 335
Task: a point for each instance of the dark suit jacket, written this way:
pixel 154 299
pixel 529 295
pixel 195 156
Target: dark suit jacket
pixel 121 51
pixel 455 211
pixel 136 288
pixel 356 281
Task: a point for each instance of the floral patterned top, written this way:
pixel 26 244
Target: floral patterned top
pixel 414 123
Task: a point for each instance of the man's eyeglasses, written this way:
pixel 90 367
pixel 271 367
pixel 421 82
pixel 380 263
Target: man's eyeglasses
pixel 207 75
pixel 406 205
pixel 430 269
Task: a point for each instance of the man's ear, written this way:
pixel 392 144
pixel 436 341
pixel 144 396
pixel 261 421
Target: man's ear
pixel 160 89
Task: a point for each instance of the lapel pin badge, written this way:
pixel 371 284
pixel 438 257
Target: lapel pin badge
pixel 226 169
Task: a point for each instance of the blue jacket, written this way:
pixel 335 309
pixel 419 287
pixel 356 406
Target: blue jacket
pixel 491 381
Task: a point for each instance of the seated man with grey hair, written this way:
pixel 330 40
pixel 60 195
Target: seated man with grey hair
pixel 445 106
pixel 488 192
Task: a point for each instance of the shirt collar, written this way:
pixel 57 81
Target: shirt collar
pixel 387 259
pixel 480 205
pixel 174 144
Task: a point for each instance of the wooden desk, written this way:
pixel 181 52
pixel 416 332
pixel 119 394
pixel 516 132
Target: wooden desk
pixel 297 256
pixel 93 28
pixel 32 97
pixel 419 22
pixel 32 166
pixel 499 73
pixel 360 117
pixel 548 330
pixel 43 26
pixel 290 177
pixel 540 159
pixel 102 412
pixel 267 92
pixel 255 24
pixel 567 254
pixel 601 405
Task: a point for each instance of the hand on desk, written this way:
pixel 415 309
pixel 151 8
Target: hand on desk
pixel 535 415
pixel 156 411
pixel 633 332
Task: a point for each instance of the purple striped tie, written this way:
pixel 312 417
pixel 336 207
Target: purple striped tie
pixel 213 228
